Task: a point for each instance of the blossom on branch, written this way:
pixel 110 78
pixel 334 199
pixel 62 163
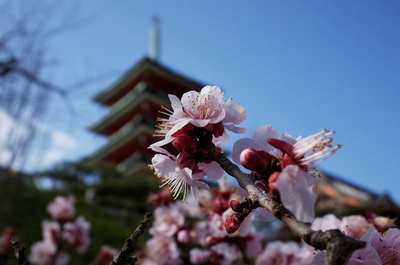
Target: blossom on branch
pixel 167 220
pixel 62 208
pixel 287 253
pixel 106 255
pixel 298 192
pixel 51 231
pixel 178 179
pixel 206 109
pixel 77 233
pixel 286 164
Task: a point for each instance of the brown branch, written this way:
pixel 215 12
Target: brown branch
pixel 339 247
pixel 123 256
pixel 19 252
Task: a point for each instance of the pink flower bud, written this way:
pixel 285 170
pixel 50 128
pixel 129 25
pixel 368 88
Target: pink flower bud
pixel 272 181
pixel 255 160
pixel 184 236
pixel 235 205
pixel 281 145
pixel 233 224
pixel 212 240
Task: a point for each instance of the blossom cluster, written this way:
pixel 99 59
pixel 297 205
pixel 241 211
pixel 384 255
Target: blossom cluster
pixel 61 229
pixel 285 163
pixel 195 232
pixel 194 115
pixel 282 176
pixel 383 240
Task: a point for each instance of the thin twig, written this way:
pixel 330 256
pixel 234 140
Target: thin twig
pixel 123 256
pixel 19 252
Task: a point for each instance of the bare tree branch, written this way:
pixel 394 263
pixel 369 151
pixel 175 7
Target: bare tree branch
pixel 123 257
pixel 19 252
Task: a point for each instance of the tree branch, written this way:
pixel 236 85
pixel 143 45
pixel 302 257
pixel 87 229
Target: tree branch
pixel 338 246
pixel 19 252
pixel 123 256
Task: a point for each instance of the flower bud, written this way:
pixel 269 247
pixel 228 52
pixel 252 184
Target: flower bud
pixel 212 240
pixel 235 205
pixel 233 223
pixel 272 181
pixel 255 160
pixel 184 236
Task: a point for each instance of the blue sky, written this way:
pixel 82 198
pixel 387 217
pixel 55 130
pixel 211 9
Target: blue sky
pixel 301 66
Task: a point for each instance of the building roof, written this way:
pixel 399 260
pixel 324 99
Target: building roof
pixel 142 100
pixel 152 73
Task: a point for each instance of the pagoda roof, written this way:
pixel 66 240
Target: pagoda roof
pixel 152 73
pixel 136 135
pixel 142 100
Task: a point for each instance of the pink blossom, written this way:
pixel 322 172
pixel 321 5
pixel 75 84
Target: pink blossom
pixel 198 233
pixel 355 226
pixel 106 255
pixel 167 220
pixel 367 255
pixel 42 252
pixel 77 234
pixel 308 151
pixel 206 108
pixel 289 253
pixel 259 142
pixel 62 258
pixel 62 208
pixel 179 179
pixel 51 230
pixel 327 222
pixel 380 223
pixel 381 249
pixel 230 252
pixel 198 255
pixel 197 209
pixel 161 250
pixel 298 192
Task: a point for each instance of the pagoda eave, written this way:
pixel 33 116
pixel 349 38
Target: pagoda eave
pixel 145 104
pixel 152 73
pixel 138 138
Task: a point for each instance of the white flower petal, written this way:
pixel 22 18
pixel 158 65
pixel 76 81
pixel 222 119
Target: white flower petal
pixel 213 171
pixel 298 192
pixel 260 137
pixel 235 113
pixel 233 128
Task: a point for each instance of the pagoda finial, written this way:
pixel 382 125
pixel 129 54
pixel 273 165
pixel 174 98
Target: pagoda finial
pixel 154 51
